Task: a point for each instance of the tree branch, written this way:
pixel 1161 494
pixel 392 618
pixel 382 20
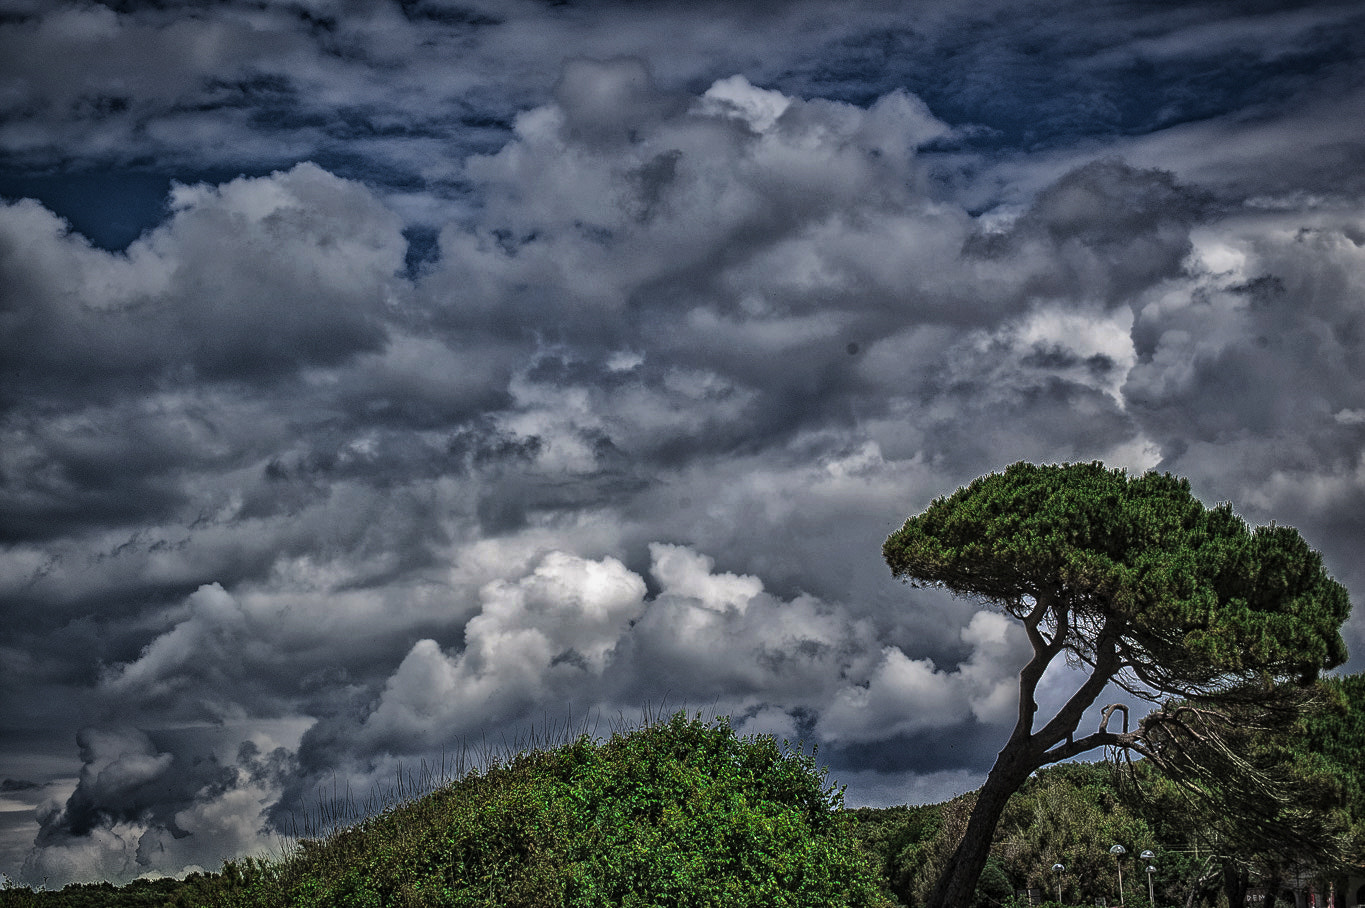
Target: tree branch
pixel 1102 737
pixel 1035 618
pixel 1044 651
pixel 1074 747
pixel 1107 664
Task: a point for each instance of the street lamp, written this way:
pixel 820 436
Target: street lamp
pixel 1118 851
pixel 1059 869
pixel 1148 856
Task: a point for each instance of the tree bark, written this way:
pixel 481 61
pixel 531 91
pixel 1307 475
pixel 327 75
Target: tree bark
pixel 956 886
pixel 1028 750
pixel 1199 891
pixel 1236 881
pixel 1273 882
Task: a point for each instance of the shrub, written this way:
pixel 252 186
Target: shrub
pixel 679 813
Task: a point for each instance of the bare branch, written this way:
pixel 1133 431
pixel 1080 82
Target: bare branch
pixel 1044 651
pixel 1063 725
pixel 1102 737
pixel 1109 712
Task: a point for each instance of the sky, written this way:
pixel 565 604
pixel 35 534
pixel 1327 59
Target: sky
pixel 384 382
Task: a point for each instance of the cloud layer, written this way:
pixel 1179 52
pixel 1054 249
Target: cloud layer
pixel 494 392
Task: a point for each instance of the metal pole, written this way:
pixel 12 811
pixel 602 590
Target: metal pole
pixel 1118 851
pixel 1148 856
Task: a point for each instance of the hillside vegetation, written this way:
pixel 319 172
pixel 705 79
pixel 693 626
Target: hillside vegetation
pixel 686 813
pixel 679 813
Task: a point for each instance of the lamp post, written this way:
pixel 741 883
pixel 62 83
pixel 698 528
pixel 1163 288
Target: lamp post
pixel 1148 856
pixel 1059 869
pixel 1118 851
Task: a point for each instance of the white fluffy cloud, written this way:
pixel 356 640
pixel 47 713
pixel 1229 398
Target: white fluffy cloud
pixel 533 638
pixel 256 274
pixel 904 695
pixel 581 632
pixel 209 639
pixel 695 196
pixel 710 635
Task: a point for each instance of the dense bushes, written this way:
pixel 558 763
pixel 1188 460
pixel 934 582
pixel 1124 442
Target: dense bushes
pixel 678 813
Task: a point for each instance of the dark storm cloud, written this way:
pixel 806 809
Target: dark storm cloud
pixel 1133 69
pixel 1115 230
pixel 231 287
pixel 184 87
pixel 558 358
pixel 969 746
pixel 10 785
pixel 120 782
pixel 140 802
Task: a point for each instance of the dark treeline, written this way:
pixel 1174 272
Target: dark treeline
pixel 137 894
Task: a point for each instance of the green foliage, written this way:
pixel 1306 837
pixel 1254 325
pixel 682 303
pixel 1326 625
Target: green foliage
pixel 886 832
pixel 1136 579
pixel 1331 741
pixel 1196 595
pixel 678 813
pixel 1324 748
pixel 137 894
pixel 1314 817
pixel 903 841
pixel 1071 814
pixel 920 864
pixel 1133 578
pixel 993 888
pixel 1256 778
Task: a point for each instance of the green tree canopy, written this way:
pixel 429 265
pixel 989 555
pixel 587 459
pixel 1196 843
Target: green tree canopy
pixel 1331 743
pixel 1134 579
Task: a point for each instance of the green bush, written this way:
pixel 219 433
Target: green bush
pixel 679 813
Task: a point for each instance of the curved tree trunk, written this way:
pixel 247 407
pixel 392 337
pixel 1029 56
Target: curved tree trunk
pixel 1028 750
pixel 956 886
